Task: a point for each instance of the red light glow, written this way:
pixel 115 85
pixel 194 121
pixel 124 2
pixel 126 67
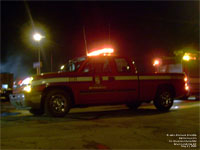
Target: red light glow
pixel 156 62
pixel 105 52
pixel 20 81
pixel 185 79
pixel 186 87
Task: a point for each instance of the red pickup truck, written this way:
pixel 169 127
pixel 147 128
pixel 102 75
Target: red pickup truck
pixel 97 80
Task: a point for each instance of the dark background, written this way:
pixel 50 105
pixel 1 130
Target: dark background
pixel 144 30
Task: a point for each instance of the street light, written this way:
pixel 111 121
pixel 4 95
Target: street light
pixel 38 37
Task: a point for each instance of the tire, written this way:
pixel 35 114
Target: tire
pixel 37 112
pixel 134 105
pixel 57 103
pixel 164 99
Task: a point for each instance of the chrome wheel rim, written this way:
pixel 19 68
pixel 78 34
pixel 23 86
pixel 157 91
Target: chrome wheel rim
pixel 58 103
pixel 166 99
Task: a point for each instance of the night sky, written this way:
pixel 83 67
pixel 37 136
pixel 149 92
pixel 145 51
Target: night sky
pixel 143 30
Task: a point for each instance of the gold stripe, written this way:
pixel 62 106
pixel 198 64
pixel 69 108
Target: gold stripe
pixel 50 80
pixel 126 77
pixel 159 77
pixel 194 80
pixel 54 80
pixel 105 78
pixel 81 79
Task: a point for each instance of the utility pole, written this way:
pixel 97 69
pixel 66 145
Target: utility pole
pixel 39 68
pixel 51 61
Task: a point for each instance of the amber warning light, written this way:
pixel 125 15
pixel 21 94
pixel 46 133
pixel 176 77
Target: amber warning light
pixel 104 52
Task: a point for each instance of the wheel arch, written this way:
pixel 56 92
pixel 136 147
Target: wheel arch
pixel 58 87
pixel 166 86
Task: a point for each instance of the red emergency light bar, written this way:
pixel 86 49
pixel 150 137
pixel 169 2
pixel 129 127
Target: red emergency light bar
pixel 104 51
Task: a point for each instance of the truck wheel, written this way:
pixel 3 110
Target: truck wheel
pixel 164 99
pixel 134 105
pixel 57 103
pixel 37 112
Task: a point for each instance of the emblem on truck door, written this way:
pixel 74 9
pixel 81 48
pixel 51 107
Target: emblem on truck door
pixel 97 84
pixel 97 80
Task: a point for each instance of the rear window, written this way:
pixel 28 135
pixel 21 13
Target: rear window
pixel 122 65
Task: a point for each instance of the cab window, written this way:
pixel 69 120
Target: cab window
pixel 73 65
pixel 97 66
pixel 122 65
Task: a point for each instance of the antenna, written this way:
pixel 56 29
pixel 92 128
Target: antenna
pixel 84 36
pixel 109 32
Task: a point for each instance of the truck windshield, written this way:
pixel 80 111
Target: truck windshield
pixel 73 65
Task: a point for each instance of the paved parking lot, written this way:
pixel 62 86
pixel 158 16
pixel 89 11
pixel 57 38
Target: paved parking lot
pixel 104 127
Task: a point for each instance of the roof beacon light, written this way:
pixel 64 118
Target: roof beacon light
pixel 105 52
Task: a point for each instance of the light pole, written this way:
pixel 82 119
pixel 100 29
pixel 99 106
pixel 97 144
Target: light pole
pixel 51 61
pixel 38 37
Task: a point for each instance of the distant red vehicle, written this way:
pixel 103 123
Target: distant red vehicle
pixel 97 80
pixel 189 64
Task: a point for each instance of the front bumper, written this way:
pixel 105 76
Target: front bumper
pixel 26 100
pixel 18 100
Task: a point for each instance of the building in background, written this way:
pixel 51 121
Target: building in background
pixel 6 86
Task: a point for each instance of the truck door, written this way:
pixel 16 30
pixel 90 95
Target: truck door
pixel 100 90
pixel 109 85
pixel 126 82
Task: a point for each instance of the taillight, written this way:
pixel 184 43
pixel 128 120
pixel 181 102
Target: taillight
pixel 186 87
pixel 186 83
pixel 185 79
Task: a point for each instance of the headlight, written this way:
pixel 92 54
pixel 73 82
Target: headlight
pixel 26 83
pixel 27 88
